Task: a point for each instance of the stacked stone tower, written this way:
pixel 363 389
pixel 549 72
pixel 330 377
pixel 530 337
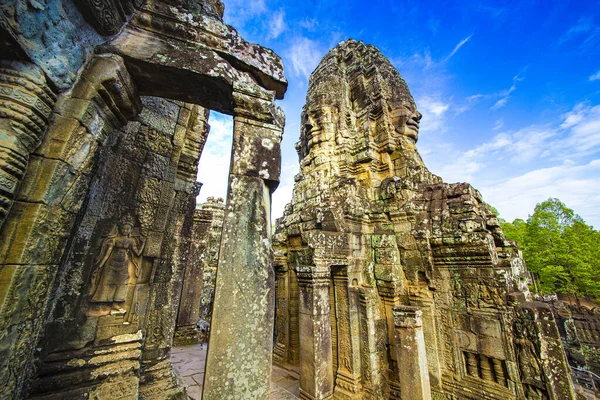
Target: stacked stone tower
pixel 391 283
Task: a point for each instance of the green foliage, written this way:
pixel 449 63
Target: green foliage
pixel 560 247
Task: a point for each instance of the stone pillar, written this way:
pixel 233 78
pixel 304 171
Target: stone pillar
pixel 191 289
pixel 347 384
pixel 283 317
pixel 389 293
pixel 413 373
pixel 316 373
pixel 430 331
pixel 371 379
pixel 26 102
pixel 238 364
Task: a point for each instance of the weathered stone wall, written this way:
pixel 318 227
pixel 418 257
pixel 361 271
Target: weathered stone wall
pixel 386 256
pixel 146 179
pixel 97 192
pixel 578 321
pixel 195 306
pixel 210 254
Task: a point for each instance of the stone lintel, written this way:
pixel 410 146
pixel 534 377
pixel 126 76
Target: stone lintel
pixel 407 317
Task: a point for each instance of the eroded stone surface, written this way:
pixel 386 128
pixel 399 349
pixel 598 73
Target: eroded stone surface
pixel 101 201
pixel 407 287
pixel 195 306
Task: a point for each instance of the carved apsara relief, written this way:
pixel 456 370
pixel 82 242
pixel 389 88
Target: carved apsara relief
pixel 118 266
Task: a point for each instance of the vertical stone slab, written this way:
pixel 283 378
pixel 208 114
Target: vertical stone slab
pixel 348 373
pixel 371 379
pixel 541 358
pixel 410 349
pixel 282 318
pixel 316 373
pixel 238 364
pixel 431 341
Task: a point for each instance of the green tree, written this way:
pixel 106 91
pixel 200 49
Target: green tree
pixel 515 230
pixel 560 247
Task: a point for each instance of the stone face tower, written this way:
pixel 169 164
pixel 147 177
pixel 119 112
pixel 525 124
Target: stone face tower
pixel 391 283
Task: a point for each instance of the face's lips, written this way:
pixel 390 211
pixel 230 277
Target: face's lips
pixel 313 130
pixel 412 123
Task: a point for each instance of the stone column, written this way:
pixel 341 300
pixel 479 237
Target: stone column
pixel 316 373
pixel 283 316
pixel 389 292
pixel 348 373
pixel 191 288
pixel 238 364
pixel 26 102
pixel 413 374
pixel 430 331
pixel 368 346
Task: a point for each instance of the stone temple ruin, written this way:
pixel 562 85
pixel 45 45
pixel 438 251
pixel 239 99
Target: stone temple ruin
pixel 391 283
pixel 381 281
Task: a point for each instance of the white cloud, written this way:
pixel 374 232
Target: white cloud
pixel 417 60
pixel 425 61
pixel 574 116
pixel 505 94
pixel 575 185
pixel 457 47
pixel 500 103
pixel 581 134
pixel 213 170
pixel 433 111
pixel 309 23
pixel 283 194
pixel 498 124
pixel 303 56
pixel 595 77
pixel 238 12
pixel 517 169
pixel 475 97
pixel 585 29
pixel 276 25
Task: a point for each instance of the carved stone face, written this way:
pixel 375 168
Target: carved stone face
pixel 317 123
pixel 405 118
pixel 126 229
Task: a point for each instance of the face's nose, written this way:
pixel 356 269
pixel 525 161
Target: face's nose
pixel 417 116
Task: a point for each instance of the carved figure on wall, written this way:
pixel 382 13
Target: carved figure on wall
pixel 529 366
pixel 117 265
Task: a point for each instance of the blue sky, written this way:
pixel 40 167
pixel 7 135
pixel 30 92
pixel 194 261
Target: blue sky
pixel 509 90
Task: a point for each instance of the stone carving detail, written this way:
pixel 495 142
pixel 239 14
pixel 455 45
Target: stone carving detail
pixel 118 266
pixel 414 246
pixel 26 102
pixel 107 16
pixel 528 358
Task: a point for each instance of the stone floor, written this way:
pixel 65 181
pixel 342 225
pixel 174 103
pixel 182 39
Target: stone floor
pixel 189 362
